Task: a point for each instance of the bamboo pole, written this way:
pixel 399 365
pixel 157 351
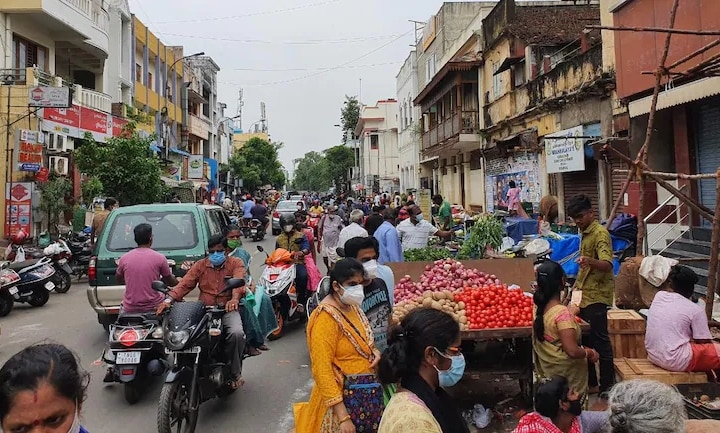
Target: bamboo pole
pixel 695 53
pixel 673 175
pixel 713 268
pixel 669 31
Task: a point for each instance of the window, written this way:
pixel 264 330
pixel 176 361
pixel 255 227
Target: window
pixel 150 81
pixel 29 54
pixel 171 230
pixel 138 73
pixel 410 111
pixel 430 67
pixel 497 92
pixel 519 74
pixel 374 142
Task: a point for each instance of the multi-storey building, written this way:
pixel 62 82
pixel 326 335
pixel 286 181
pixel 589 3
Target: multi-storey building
pixel 377 134
pixel 409 136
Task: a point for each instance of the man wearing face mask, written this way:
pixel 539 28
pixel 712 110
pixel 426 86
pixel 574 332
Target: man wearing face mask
pixel 209 276
pixel 415 231
pixel 297 243
pixel 378 301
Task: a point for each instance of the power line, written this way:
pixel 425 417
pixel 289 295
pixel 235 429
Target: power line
pixel 147 15
pixel 306 42
pixel 253 14
pixel 312 69
pixel 340 66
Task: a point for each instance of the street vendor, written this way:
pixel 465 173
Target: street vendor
pixel 444 214
pixel 678 336
pixel 415 231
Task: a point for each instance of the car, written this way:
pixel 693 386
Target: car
pixel 295 198
pixel 283 207
pixel 180 233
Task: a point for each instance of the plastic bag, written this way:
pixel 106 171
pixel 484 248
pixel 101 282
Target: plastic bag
pixel 481 417
pixel 20 255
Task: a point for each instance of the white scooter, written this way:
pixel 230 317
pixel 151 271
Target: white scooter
pixel 278 280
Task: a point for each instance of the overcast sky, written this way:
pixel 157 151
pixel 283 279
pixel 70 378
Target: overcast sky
pixel 300 57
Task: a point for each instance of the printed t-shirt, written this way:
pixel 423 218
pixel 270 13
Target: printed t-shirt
pixel 377 307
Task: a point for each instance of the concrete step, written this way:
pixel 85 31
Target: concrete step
pixel 692 246
pixel 673 253
pixel 703 234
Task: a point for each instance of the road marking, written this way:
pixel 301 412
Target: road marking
pixel 288 421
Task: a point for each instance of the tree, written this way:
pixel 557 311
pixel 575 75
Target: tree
pixel 53 195
pixel 339 160
pixel 257 164
pixel 349 115
pixel 125 166
pixel 311 173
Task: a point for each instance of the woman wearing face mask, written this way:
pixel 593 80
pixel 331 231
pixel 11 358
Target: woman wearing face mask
pixel 42 388
pixel 423 356
pixel 340 342
pixel 559 410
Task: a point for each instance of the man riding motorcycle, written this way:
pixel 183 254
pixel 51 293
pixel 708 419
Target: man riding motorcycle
pixel 209 275
pixel 316 208
pixel 299 246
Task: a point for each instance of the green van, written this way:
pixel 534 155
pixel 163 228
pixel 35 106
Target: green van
pixel 180 232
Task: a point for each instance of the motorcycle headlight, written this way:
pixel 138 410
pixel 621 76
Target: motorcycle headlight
pixel 176 340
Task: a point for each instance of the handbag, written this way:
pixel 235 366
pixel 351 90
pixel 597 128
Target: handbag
pixel 363 399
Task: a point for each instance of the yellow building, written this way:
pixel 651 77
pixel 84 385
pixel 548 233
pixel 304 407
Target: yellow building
pixel 241 138
pixel 158 71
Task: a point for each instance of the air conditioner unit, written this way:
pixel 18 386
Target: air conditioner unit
pixel 57 142
pixel 59 164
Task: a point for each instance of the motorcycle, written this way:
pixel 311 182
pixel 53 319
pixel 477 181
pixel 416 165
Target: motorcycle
pixel 256 229
pixel 8 280
pixel 278 279
pixel 314 223
pixel 36 281
pixel 80 253
pixel 193 335
pixel 60 254
pixel 137 350
pixel 323 289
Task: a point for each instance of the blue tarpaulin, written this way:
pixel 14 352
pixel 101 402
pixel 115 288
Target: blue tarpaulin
pixel 154 147
pixel 179 152
pixel 567 250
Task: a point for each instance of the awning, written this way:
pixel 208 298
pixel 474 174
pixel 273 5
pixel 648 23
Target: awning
pixel 431 159
pixel 507 63
pixel 179 152
pixel 679 95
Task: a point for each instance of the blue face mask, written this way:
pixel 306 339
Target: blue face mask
pixel 217 258
pixel 419 217
pixel 451 376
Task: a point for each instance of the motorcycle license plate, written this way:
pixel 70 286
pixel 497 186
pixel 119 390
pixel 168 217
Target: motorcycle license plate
pixel 49 286
pixel 13 290
pixel 127 358
pixel 195 349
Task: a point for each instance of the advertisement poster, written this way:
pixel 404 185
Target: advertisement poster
pixel 195 167
pixel 18 208
pixel 424 201
pixel 523 170
pixel 563 152
pixel 76 121
pixel 28 150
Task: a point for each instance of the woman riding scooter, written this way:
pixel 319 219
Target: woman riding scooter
pixel 297 243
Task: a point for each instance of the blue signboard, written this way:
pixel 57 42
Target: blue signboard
pixel 27 166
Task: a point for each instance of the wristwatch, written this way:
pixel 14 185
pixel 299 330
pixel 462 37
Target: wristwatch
pixel 168 300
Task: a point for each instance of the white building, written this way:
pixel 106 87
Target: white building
pixel 203 106
pixel 409 136
pixel 118 73
pixel 377 131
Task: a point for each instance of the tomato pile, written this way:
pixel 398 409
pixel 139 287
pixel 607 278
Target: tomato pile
pixel 496 306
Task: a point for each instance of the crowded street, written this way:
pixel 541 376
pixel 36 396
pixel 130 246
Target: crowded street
pixel 274 379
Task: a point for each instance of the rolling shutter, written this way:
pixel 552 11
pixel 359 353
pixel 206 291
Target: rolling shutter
pixel 708 147
pixel 582 182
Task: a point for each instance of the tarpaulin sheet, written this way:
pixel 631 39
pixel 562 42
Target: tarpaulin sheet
pixel 567 250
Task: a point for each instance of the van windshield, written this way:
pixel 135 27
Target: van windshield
pixel 171 230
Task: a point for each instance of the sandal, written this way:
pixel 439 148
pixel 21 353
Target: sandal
pixel 251 351
pixel 264 348
pixel 237 383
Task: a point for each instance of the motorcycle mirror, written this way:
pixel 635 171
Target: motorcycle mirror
pixel 234 283
pixel 260 248
pixel 159 286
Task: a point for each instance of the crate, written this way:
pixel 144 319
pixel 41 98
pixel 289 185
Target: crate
pixel 627 333
pixel 691 392
pixel 641 368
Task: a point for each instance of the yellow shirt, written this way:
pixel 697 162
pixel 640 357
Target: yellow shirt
pixel 317 210
pixel 596 286
pixel 406 413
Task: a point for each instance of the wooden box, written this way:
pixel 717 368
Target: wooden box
pixel 627 334
pixel 635 368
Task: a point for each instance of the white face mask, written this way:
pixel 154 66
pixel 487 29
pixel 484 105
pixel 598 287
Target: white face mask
pixel 371 269
pixel 75 427
pixel 288 229
pixel 353 295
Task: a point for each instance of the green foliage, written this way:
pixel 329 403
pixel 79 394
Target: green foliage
pixel 257 164
pixel 125 166
pixel 52 199
pixel 487 232
pixel 349 115
pixel 339 160
pixel 311 173
pixel 91 188
pixel 427 254
pixel 138 116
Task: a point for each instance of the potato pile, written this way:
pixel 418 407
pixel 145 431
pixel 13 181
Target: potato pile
pixel 440 300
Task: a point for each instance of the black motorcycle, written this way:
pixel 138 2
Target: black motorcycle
pixel 81 252
pixel 138 354
pixel 36 281
pixel 256 230
pixel 193 335
pixel 8 280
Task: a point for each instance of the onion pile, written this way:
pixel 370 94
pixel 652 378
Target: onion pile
pixel 442 275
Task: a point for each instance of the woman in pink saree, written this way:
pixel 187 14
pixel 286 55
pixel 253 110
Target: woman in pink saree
pixel 314 275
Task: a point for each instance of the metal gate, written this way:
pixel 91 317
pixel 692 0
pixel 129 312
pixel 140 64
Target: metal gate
pixel 583 182
pixel 708 147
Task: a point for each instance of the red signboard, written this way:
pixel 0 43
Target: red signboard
pixel 17 207
pixel 94 121
pixel 76 121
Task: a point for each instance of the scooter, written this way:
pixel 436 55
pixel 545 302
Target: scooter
pixel 60 254
pixel 8 280
pixel 278 279
pixel 314 223
pixel 136 352
pixel 323 289
pixel 36 281
pixel 256 229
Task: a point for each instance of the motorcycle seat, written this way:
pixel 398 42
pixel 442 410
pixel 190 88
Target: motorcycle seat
pixel 20 265
pixel 129 319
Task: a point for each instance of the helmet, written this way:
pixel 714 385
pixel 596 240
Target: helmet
pixel 316 202
pixel 287 219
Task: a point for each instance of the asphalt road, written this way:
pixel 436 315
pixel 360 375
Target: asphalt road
pixel 273 380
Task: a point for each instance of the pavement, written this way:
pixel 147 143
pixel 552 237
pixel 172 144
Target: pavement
pixel 273 380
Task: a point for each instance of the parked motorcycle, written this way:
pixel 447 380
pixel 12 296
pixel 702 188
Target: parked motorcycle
pixel 193 335
pixel 256 229
pixel 137 353
pixel 59 252
pixel 278 279
pixel 8 280
pixel 81 251
pixel 36 281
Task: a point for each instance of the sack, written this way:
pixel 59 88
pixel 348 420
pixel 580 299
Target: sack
pixel 627 291
pixel 363 398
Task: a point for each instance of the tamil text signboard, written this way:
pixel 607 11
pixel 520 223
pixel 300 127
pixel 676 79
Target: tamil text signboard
pixel 76 121
pixel 29 150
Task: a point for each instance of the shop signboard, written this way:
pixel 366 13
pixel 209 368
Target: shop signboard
pixel 29 150
pixel 195 167
pixel 76 121
pixel 47 96
pixel 18 208
pixel 564 152
pixel 424 200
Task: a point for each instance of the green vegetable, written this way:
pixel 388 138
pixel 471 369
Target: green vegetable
pixel 486 232
pixel 427 254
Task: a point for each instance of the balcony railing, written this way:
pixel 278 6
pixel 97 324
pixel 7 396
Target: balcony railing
pixel 465 122
pixel 101 19
pixel 83 6
pixel 92 99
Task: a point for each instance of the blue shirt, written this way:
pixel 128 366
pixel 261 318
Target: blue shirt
pixel 247 207
pixel 390 247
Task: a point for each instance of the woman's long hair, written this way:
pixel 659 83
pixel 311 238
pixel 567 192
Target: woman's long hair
pixel 550 277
